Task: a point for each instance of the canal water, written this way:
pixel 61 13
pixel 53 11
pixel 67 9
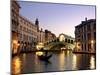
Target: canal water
pixel 60 61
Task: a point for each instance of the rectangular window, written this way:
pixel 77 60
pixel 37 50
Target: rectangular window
pixel 89 47
pixel 84 36
pixel 71 41
pixel 82 46
pixel 88 27
pixel 89 36
pixel 84 28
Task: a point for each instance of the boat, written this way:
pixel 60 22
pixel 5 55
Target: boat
pixel 44 57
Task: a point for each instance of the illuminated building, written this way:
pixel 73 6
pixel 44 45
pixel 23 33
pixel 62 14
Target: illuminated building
pixel 14 24
pixel 41 36
pixel 68 40
pixel 85 36
pixel 41 33
pixel 24 33
pixel 49 36
pixel 27 34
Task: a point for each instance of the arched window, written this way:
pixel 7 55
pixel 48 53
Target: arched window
pixel 68 40
pixel 71 41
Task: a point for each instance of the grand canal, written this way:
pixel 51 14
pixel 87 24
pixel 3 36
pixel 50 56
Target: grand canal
pixel 60 61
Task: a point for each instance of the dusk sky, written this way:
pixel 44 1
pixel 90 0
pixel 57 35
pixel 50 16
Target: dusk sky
pixel 58 18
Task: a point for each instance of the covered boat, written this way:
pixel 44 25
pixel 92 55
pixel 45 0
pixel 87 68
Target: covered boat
pixel 43 55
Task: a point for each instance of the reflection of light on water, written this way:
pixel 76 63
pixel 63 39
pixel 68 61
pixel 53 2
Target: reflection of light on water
pixel 38 64
pixel 24 55
pixel 62 61
pixel 92 62
pixel 36 59
pixel 24 58
pixel 74 62
pixel 16 65
pixel 68 53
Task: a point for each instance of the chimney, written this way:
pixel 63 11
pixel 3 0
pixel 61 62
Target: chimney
pixel 85 18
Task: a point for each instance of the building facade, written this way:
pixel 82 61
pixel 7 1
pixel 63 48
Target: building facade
pixel 41 36
pixel 28 34
pixel 24 33
pixel 14 25
pixel 49 36
pixel 85 36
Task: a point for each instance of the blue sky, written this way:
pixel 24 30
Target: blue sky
pixel 58 18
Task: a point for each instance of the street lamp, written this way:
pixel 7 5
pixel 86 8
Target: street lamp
pixel 92 41
pixel 77 45
pixel 92 46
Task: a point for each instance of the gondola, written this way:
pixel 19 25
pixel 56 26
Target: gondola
pixel 43 57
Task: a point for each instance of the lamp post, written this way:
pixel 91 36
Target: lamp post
pixel 92 46
pixel 77 45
